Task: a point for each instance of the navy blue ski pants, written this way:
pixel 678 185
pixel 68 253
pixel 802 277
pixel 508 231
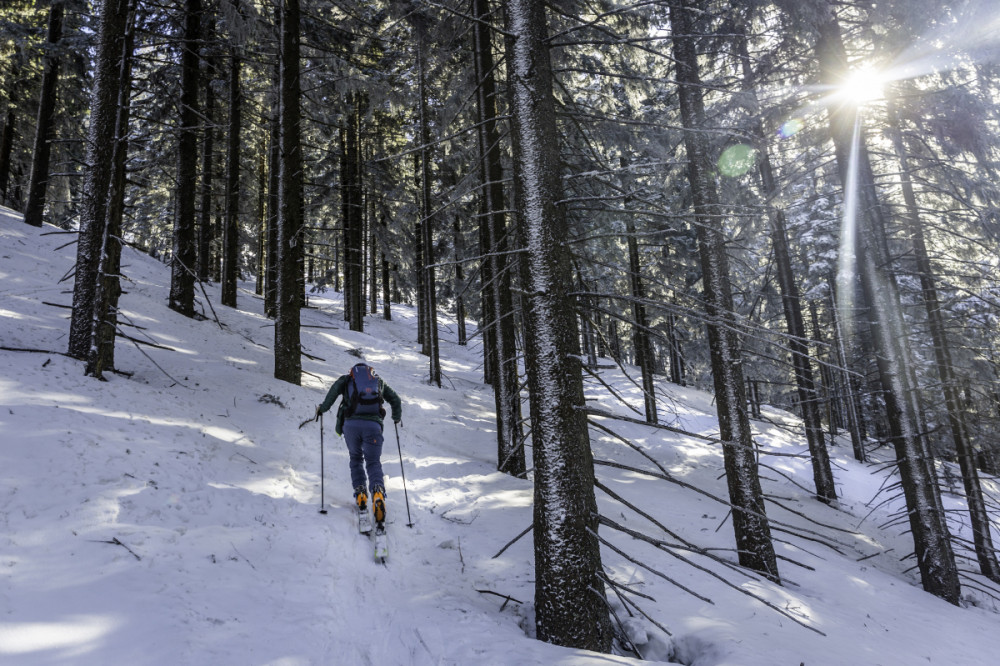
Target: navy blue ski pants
pixel 364 444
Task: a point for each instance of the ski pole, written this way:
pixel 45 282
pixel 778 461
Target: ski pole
pixel 322 475
pixel 403 473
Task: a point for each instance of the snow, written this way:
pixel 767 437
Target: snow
pixel 150 520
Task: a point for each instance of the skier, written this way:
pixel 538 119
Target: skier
pixel 359 420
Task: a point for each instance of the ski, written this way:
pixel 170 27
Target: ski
pixel 364 521
pixel 381 543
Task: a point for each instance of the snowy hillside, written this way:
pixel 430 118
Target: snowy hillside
pixel 171 517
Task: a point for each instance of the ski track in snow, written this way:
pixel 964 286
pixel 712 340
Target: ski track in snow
pixel 216 492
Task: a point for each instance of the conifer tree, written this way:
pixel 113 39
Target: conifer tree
pixel 46 111
pixel 570 608
pixel 753 534
pixel 185 251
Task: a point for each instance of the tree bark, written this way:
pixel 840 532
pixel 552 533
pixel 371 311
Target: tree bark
pixel 374 265
pixel 231 230
pixel 290 279
pixel 102 352
pixel 7 147
pixel 185 251
pixel 431 342
pixel 273 183
pixel 753 533
pixel 262 226
pixel 35 206
pixel 641 340
pixel 207 173
pixel 386 285
pixel 418 259
pixel 677 373
pixel 498 306
pixel 570 605
pixel 459 279
pixel 353 218
pixel 97 178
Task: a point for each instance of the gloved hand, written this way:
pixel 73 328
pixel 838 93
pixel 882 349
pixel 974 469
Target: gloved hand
pixel 316 415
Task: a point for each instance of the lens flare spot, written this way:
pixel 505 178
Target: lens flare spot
pixel 790 128
pixel 737 160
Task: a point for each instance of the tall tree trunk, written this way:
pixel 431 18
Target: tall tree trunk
pixel 418 260
pixel 459 281
pixel 640 330
pixel 641 340
pixel 231 230
pixel 185 251
pixel 97 178
pixel 978 514
pixel 844 397
pixel 588 335
pixel 431 343
pixel 932 542
pixel 273 185
pixel 498 313
pixel 346 219
pixel 7 133
pixel 386 286
pixel 676 356
pixel 798 342
pixel 290 280
pixel 570 607
pixel 374 266
pixel 753 533
pixel 6 149
pixel 46 113
pixel 262 226
pixel 353 218
pixel 102 352
pixel 207 172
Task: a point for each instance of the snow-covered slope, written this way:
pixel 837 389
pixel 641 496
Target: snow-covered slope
pixel 171 517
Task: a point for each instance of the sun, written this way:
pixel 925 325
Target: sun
pixel 863 85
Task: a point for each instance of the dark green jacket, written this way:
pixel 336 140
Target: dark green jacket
pixel 339 390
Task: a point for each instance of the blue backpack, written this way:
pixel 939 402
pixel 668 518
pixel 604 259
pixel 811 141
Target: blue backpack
pixel 364 392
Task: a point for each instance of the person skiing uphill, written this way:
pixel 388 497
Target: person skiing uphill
pixel 359 420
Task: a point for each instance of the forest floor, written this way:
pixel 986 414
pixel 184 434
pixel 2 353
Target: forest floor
pixel 170 516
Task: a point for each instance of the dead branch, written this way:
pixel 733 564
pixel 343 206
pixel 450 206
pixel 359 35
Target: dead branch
pixel 610 388
pixel 629 602
pixel 241 555
pixel 648 568
pixel 136 343
pixel 506 597
pixel 210 306
pixel 621 628
pixel 680 431
pixel 512 542
pixel 611 523
pixel 144 342
pixel 117 542
pixel 774 501
pixel 799 531
pixel 32 351
pixel 628 443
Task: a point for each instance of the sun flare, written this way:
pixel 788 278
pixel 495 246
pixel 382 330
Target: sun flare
pixel 863 85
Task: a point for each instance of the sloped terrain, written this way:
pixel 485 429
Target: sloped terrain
pixel 171 516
